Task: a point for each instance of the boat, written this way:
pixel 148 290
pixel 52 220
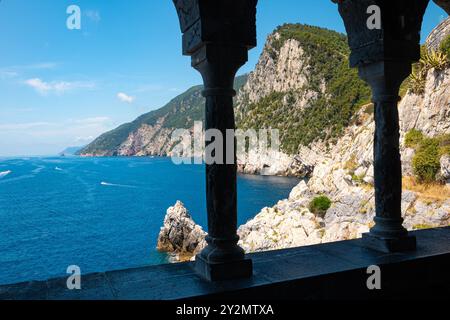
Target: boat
pixel 5 173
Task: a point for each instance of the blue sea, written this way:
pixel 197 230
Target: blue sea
pixel 102 214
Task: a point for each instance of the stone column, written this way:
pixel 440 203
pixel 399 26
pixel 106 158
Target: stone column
pixel 222 258
pixel 384 52
pixel 385 79
pixel 217 35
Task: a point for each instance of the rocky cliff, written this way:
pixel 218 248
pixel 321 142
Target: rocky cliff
pixel 302 86
pixel 150 134
pixel 343 172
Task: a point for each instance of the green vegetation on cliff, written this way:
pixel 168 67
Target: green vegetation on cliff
pixel 333 90
pixel 339 91
pixel 426 161
pixel 180 113
pixel 320 205
pixel 430 59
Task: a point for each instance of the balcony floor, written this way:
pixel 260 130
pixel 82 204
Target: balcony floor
pixel 327 271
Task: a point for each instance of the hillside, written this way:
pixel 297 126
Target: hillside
pixel 302 85
pixel 153 128
pixel 71 151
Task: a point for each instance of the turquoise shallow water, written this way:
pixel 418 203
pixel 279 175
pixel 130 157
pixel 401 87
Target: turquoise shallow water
pixel 102 213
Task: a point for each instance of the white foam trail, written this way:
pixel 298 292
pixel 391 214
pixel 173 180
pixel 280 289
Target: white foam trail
pixel 38 169
pixel 107 184
pixel 5 173
pixel 58 169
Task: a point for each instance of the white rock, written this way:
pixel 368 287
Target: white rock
pixel 445 168
pixel 300 191
pixel 180 235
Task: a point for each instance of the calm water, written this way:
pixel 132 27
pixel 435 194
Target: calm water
pixel 101 213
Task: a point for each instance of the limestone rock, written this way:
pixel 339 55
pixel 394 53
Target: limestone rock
pixel 276 71
pixel 300 191
pixel 343 171
pixel 180 235
pixel 445 168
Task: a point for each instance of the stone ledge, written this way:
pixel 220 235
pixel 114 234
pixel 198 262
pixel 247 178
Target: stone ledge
pixel 326 271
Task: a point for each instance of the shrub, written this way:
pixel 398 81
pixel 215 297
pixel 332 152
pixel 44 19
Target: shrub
pixel 445 46
pixel 370 109
pixel 320 205
pixel 430 59
pixel 351 165
pixel 417 80
pixel 426 162
pixel 422 226
pixel 358 179
pixel 413 138
pixel 444 144
pixel 435 59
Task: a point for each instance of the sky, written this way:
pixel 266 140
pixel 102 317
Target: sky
pixel 61 87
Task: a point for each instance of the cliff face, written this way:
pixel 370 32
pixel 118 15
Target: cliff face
pixel 150 134
pixel 302 86
pixel 340 163
pixel 344 173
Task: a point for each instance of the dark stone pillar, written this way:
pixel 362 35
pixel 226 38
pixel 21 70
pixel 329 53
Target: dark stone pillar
pixel 384 56
pixel 388 234
pixel 222 258
pixel 217 35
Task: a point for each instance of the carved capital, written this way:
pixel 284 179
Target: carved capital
pixel 218 64
pixel 385 78
pixel 397 39
pixel 226 22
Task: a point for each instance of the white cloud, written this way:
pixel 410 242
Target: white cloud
pixel 155 88
pixel 125 98
pixel 40 66
pixel 84 140
pixel 23 126
pixel 149 88
pixel 27 67
pixel 90 121
pixel 87 123
pixel 93 15
pixel 50 137
pixel 58 87
pixel 5 74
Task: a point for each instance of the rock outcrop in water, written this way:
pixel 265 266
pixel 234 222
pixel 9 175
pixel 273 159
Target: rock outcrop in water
pixel 180 236
pixel 291 224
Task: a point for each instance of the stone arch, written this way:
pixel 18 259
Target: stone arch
pixel 444 4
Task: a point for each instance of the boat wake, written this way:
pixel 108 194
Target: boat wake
pixel 4 173
pixel 107 184
pixel 38 169
pixel 58 169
